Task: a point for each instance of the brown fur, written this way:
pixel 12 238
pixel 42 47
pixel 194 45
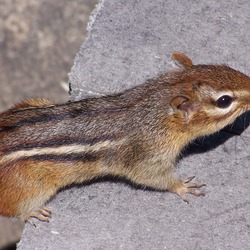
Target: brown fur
pixel 137 134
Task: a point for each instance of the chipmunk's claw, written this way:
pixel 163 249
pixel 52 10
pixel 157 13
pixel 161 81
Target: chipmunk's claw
pixel 184 187
pixel 43 214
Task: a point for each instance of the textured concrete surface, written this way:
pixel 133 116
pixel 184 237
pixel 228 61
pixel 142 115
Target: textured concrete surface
pixel 128 42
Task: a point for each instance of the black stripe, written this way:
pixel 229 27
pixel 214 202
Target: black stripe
pixel 63 157
pixel 48 117
pixel 66 141
pixel 34 120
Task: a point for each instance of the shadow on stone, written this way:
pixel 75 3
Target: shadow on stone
pixel 205 144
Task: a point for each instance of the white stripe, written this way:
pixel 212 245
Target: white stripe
pixel 62 150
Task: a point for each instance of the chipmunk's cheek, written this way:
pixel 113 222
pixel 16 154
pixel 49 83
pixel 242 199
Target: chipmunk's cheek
pixel 198 119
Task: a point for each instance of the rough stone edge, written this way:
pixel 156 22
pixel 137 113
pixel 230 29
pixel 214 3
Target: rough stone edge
pixel 91 21
pixel 93 16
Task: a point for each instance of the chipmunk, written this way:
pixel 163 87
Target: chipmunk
pixel 137 134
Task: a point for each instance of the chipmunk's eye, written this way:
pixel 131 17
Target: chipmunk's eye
pixel 224 101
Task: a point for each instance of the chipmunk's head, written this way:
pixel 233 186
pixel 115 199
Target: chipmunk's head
pixel 209 97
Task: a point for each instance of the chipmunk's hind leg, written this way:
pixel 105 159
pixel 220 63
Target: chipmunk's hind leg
pixel 34 208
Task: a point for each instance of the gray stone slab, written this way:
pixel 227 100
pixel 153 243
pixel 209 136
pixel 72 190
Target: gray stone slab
pixel 128 42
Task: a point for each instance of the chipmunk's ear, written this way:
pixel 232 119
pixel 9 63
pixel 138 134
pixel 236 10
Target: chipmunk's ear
pixel 182 103
pixel 182 60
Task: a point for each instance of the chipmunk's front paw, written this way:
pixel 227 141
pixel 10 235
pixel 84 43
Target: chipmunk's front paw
pixel 183 187
pixel 43 214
